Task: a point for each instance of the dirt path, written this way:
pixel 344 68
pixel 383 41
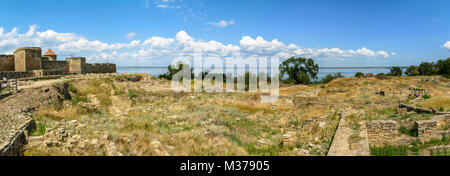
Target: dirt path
pixel 350 142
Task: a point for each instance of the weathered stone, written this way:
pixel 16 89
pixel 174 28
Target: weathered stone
pixel 289 138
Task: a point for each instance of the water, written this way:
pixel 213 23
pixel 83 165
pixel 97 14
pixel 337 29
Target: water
pixel 347 72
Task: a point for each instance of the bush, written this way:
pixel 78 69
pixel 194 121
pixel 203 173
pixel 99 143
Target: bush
pixel 329 77
pixel 173 69
pixel 40 130
pixel 359 74
pixel 381 76
pixel 396 71
pixel 412 70
pixel 426 96
pixel 408 131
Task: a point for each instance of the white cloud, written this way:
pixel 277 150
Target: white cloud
pixel 446 45
pixel 131 35
pixel 161 50
pixel 222 23
pixel 158 42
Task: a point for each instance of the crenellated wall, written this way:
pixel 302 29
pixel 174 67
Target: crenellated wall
pixel 6 62
pixel 29 62
pixel 100 68
pixel 55 64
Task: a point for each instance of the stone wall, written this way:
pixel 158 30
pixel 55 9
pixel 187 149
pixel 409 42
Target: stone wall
pixel 7 63
pixel 48 72
pixel 387 131
pixel 100 68
pixel 382 131
pixel 416 109
pixel 12 74
pixel 15 111
pixel 54 64
pixel 76 64
pixel 27 58
pixel 425 127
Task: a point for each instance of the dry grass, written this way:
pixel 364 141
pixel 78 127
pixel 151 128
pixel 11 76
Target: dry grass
pixel 225 123
pixel 437 103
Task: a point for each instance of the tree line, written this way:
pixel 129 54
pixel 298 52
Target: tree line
pixel 304 71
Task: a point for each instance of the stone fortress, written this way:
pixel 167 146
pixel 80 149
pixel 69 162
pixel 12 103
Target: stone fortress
pixel 29 62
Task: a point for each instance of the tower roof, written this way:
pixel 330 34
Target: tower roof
pixel 50 53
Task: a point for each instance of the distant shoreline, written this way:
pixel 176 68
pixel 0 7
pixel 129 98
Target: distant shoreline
pixel 381 67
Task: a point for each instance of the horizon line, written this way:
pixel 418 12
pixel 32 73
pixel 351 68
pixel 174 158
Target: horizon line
pixel 374 67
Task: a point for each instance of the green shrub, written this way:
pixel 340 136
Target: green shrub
pixel 72 88
pixel 408 131
pixel 329 77
pixel 40 129
pixel 396 71
pixel 426 96
pixel 359 74
pixel 381 76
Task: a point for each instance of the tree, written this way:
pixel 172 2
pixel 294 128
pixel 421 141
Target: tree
pixel 359 74
pixel 444 67
pixel 330 77
pixel 426 68
pixel 172 71
pixel 396 71
pixel 412 71
pixel 299 70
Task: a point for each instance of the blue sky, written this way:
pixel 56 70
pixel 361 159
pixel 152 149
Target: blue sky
pixel 152 32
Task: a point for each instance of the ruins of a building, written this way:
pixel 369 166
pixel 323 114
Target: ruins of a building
pixel 29 62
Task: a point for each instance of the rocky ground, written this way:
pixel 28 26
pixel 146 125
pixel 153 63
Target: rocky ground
pixel 137 114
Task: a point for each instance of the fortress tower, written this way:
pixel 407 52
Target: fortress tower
pixel 50 55
pixel 27 58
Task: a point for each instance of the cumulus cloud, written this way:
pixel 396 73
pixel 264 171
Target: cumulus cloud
pixel 158 42
pixel 62 42
pixel 446 45
pixel 161 50
pixel 222 23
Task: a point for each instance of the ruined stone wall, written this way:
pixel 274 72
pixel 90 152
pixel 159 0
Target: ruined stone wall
pixel 425 127
pixel 28 58
pixel 13 75
pixel 434 128
pixel 100 68
pixel 382 131
pixel 48 72
pixel 53 64
pixel 6 62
